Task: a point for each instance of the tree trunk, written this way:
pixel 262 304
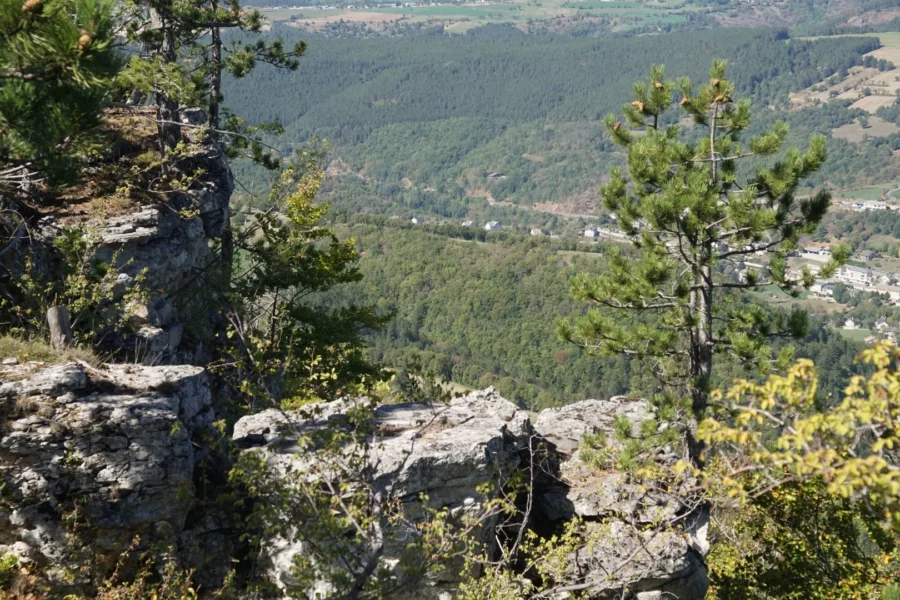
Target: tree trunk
pixel 701 352
pixel 167 109
pixel 215 80
pixel 60 328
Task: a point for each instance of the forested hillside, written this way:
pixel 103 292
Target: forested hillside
pixel 418 123
pixel 483 313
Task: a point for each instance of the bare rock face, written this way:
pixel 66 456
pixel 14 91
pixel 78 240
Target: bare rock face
pixel 641 539
pixel 444 451
pixel 565 426
pixel 167 245
pixel 447 452
pixel 91 457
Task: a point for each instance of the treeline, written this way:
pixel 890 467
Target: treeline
pixel 483 314
pixel 858 229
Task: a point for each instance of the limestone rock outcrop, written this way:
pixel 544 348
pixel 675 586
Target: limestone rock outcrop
pixel 444 451
pixel 168 245
pixel 631 545
pixel 447 452
pixel 95 455
pixel 92 456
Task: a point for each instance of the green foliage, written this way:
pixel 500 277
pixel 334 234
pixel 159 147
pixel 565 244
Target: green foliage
pixel 181 67
pixel 799 541
pixel 76 278
pixel 476 313
pixel 472 308
pixel 772 431
pixel 628 451
pixel 56 64
pixel 687 209
pixel 443 112
pixel 9 563
pixel 281 347
pixel 156 577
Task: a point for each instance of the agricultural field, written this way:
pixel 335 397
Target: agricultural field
pixel 889 191
pixel 868 88
pixel 459 18
pixel 855 335
pixel 856 132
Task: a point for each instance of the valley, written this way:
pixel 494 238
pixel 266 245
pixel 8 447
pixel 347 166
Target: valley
pixel 477 300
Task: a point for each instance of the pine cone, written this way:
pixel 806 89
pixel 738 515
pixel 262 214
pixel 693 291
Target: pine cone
pixel 617 126
pixel 32 6
pixel 658 85
pixel 684 101
pixel 716 81
pixel 638 105
pixel 83 42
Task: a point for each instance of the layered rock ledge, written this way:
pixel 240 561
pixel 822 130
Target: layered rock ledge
pixel 92 457
pixel 95 455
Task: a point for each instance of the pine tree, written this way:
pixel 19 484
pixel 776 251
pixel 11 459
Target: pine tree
pixel 184 56
pixel 690 210
pixel 57 61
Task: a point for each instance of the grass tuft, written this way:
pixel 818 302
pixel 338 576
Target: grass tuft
pixel 40 351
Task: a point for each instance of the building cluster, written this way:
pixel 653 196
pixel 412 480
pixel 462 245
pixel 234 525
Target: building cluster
pixel 882 328
pixel 867 205
pixel 604 233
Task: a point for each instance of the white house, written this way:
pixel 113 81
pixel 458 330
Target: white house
pixel 823 288
pixel 590 232
pixel 468 223
pixel 492 226
pixel 882 324
pixel 850 324
pixel 415 221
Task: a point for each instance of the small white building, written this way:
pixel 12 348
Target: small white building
pixel 590 232
pixel 823 288
pixel 416 221
pixel 537 231
pixel 882 324
pixel 492 226
pixel 871 340
pixel 850 324
pixel 468 223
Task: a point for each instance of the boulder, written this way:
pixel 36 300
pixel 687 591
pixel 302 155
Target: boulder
pixel 96 456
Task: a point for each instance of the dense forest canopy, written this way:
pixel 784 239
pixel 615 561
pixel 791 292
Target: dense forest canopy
pixel 418 122
pixel 482 313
